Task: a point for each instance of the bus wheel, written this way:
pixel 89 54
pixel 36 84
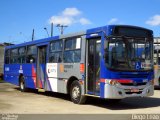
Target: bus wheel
pixel 75 93
pixel 22 84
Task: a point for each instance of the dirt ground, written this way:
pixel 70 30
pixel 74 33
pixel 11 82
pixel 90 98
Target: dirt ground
pixel 14 101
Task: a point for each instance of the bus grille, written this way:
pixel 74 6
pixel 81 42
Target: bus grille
pixel 133 84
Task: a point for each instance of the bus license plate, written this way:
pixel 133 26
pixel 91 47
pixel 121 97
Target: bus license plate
pixel 134 90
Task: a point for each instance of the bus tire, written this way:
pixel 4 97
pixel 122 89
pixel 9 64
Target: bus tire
pixel 22 84
pixel 76 94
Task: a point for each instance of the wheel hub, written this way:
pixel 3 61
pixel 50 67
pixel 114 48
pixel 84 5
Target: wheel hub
pixel 75 92
pixel 22 85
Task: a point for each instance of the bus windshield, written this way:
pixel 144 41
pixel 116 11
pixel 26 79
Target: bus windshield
pixel 127 53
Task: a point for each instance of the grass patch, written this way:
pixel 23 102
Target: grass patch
pixel 1 80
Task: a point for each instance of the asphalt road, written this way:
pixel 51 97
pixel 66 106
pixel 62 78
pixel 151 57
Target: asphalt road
pixel 14 101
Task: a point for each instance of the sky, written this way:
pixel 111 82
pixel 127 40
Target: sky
pixel 19 17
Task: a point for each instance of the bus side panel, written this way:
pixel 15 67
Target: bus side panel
pixel 58 75
pixel 29 82
pixel 29 72
pixel 11 74
pixel 11 79
pixel 13 71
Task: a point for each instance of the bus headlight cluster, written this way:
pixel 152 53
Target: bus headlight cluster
pixel 112 82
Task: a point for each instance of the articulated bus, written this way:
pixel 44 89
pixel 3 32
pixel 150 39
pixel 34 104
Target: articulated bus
pixel 157 62
pixel 102 62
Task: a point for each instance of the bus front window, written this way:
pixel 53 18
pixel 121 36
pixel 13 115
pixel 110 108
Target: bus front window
pixel 125 53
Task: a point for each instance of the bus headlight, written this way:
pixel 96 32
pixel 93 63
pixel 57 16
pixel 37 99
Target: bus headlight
pixel 112 82
pixel 118 81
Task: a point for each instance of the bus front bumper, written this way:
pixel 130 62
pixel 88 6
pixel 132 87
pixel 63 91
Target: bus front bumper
pixel 120 92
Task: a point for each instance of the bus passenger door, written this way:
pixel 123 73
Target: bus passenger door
pixel 93 69
pixel 41 66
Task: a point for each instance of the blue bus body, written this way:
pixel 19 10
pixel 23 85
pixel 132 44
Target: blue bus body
pixel 130 80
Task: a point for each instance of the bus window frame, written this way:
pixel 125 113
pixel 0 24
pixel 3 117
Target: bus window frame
pixel 22 55
pixel 12 56
pixel 7 56
pixel 56 51
pixel 72 49
pixel 35 55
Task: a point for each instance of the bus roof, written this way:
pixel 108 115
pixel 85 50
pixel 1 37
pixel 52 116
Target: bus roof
pixel 45 40
pixel 88 31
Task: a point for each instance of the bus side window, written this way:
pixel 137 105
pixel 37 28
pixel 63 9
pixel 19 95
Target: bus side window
pixel 72 50
pixel 21 55
pixel 31 54
pixel 30 59
pixel 7 56
pixel 55 55
pixel 14 56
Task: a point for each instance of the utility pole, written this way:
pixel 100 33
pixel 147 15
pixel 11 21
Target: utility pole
pixel 33 35
pixel 52 29
pixel 61 28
